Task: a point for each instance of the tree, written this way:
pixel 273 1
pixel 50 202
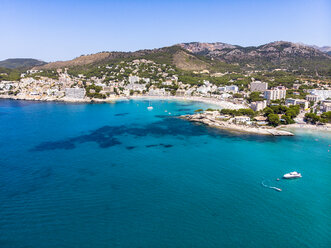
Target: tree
pixel 247 112
pixel 254 97
pixel 267 111
pixel 198 110
pixel 287 119
pixel 312 118
pixel 273 120
pixel 237 95
pixel 290 113
pixel 326 117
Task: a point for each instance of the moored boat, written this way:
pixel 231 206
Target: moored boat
pixel 291 175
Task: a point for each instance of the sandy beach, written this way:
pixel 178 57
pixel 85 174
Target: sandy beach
pixel 211 101
pixel 215 103
pixel 306 127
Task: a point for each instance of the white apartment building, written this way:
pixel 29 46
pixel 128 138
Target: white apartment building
pixel 77 93
pixel 230 88
pixel 258 106
pixel 300 102
pixel 312 98
pixel 323 94
pixel 259 86
pixel 275 94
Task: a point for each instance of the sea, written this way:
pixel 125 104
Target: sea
pixel 120 175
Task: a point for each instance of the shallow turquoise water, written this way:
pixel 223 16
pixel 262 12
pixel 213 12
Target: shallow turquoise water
pixel 118 175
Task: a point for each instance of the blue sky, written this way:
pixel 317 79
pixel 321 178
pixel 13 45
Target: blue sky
pixel 64 29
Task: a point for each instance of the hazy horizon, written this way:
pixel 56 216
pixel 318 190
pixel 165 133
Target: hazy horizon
pixel 63 30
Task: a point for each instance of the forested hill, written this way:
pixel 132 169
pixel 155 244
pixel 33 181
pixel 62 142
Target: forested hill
pixel 21 63
pixel 218 56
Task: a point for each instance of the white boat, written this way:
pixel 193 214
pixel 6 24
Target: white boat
pixel 150 107
pixel 293 174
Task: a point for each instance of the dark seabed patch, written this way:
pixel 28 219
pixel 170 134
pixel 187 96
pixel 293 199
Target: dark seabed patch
pixel 149 146
pixel 166 145
pixel 107 136
pixel 130 147
pixel 184 109
pixel 156 145
pixel 121 114
pixel 54 145
pixel 163 116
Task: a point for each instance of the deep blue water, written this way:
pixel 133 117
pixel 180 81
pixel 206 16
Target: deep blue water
pixel 118 175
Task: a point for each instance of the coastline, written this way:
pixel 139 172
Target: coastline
pixel 283 130
pixel 267 131
pixel 211 101
pixel 306 127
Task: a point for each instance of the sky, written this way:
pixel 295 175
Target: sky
pixel 65 29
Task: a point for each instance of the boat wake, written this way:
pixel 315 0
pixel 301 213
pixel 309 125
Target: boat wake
pixel 270 187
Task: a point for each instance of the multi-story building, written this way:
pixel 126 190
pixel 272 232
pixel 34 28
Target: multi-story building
pixel 301 102
pixel 323 94
pixel 77 93
pixel 275 94
pixel 259 86
pixel 312 98
pixel 326 106
pixel 260 105
pixel 232 88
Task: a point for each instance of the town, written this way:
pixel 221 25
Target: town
pixel 271 103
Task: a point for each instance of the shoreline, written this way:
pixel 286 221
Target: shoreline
pixel 211 101
pixel 306 127
pixel 223 125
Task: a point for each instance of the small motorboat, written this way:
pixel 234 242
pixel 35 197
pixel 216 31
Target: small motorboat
pixel 291 175
pixel 150 107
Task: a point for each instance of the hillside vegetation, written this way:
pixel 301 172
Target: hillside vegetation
pixel 20 63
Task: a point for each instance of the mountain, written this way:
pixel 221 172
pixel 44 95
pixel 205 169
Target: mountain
pixel 279 54
pixel 324 49
pixel 174 55
pixel 20 63
pixel 216 57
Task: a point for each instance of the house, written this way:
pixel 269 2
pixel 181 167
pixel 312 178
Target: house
pixel 167 82
pixel 180 92
pixel 242 120
pixel 133 79
pixel 158 92
pixel 296 86
pixel 261 120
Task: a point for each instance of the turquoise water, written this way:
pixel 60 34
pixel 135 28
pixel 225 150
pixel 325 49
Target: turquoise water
pixel 118 175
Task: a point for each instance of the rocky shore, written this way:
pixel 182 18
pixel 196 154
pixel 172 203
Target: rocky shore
pixel 211 121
